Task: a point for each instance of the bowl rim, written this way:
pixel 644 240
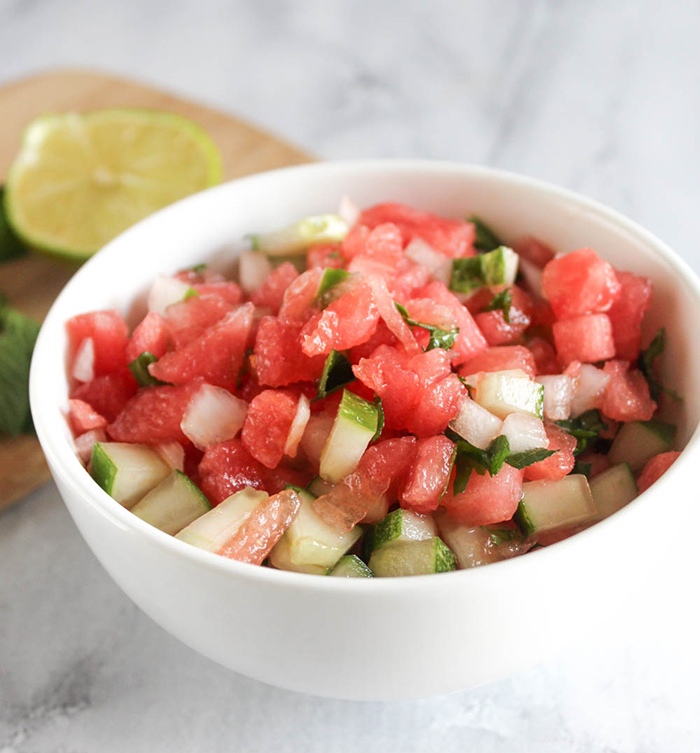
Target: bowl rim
pixel 64 462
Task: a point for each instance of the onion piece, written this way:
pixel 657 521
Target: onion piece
pixel 84 443
pixel 439 266
pixel 558 393
pixel 84 363
pixel 592 383
pixel 253 270
pixel 348 210
pixel 296 431
pixel 524 432
pixel 476 424
pixel 533 277
pixel 173 453
pixel 213 415
pixel 164 292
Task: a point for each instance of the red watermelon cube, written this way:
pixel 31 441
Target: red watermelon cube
pixel 487 499
pixel 500 358
pixel 151 335
pixel 267 424
pixel 586 338
pixel 226 468
pixel 429 475
pixel 627 395
pixel 279 359
pixel 271 293
pixel 627 314
pixel 109 335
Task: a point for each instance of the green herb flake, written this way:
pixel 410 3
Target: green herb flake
pixel 583 468
pixel 502 535
pixel 586 428
pixel 139 368
pixel 198 269
pixel 646 365
pixel 331 277
pixel 439 338
pixel 485 239
pixel 502 301
pixel 189 293
pixel 522 460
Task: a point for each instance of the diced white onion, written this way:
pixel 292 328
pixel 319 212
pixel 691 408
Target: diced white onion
pixel 84 443
pixel 253 270
pixel 533 277
pixel 173 453
pixel 476 424
pixel 348 210
pixel 213 415
pixel 558 393
pixel 524 432
pixel 84 363
pixel 592 383
pixel 439 266
pixel 164 292
pixel 296 431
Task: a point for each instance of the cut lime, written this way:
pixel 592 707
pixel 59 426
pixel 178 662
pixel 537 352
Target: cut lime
pixel 80 180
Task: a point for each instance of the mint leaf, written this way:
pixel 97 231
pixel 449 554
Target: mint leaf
pixel 439 338
pixel 337 372
pixel 646 364
pixel 198 269
pixel 331 277
pixel 18 334
pixel 502 301
pixel 11 247
pixel 522 460
pixel 586 428
pixel 470 458
pixel 485 239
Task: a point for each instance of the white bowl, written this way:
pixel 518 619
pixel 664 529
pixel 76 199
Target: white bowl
pixel 382 638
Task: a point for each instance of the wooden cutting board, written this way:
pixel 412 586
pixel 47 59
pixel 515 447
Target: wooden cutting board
pixel 32 283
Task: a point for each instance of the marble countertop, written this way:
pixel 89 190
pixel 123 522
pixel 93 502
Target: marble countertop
pixel 601 97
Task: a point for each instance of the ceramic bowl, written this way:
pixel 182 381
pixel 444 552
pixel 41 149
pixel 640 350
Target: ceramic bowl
pixel 382 638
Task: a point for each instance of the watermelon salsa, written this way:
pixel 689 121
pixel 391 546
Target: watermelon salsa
pixel 378 393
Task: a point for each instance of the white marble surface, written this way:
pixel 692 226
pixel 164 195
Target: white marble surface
pixel 600 96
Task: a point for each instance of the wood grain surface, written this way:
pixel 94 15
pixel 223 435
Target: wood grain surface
pixel 33 282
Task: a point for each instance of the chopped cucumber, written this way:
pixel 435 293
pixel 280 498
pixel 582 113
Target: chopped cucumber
pixel 331 277
pixel 351 566
pixel 613 489
pixel 337 372
pixel 173 504
pixel 497 267
pixel 353 429
pixel 472 546
pixel 637 442
pixel 318 487
pixel 281 558
pixel 555 505
pixel 213 529
pixel 502 393
pixel 139 369
pixel 296 238
pixel 413 558
pixel 125 471
pixel 310 542
pixel 402 525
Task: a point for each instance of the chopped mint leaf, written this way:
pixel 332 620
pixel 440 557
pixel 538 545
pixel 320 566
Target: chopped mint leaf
pixel 337 372
pixel 18 334
pixel 502 301
pixel 470 458
pixel 646 363
pixel 485 239
pixel 139 368
pixel 331 278
pixel 189 293
pixel 198 269
pixel 586 428
pixel 11 247
pixel 522 460
pixel 380 418
pixel 582 468
pixel 439 338
pixel 502 535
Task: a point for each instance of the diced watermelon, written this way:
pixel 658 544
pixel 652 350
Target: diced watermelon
pixel 279 359
pixel 410 277
pixel 497 330
pixel 544 355
pixel 217 355
pixel 429 474
pixel 324 255
pixel 453 238
pixel 655 469
pixel 189 319
pixel 500 358
pixel 83 417
pixel 627 395
pixel 153 415
pixel 271 293
pixel 561 463
pixel 151 335
pixel 381 467
pixel 384 244
pixel 580 283
pixel 283 476
pixel 348 321
pixel 586 338
pixel 267 425
pixel 107 394
pixel 382 336
pixel 355 241
pixel 487 499
pixel 438 405
pixel 470 339
pixel 627 313
pixel 109 335
pixel 227 468
pixel 299 300
pixel 542 314
pixel 226 290
pixel 391 316
pixel 249 387
pixel 534 250
pixel 597 461
pixel 264 527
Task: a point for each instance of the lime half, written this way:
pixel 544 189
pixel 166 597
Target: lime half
pixel 80 180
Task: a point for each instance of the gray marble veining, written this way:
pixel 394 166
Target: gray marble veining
pixel 599 96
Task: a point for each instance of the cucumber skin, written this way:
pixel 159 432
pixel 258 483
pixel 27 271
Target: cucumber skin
pixel 355 408
pixel 351 566
pixel 445 559
pixel 102 469
pixel 176 476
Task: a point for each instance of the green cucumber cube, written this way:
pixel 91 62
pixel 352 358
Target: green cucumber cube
pixel 612 489
pixel 295 239
pixel 351 566
pixel 637 442
pixel 173 504
pixel 412 558
pixel 555 505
